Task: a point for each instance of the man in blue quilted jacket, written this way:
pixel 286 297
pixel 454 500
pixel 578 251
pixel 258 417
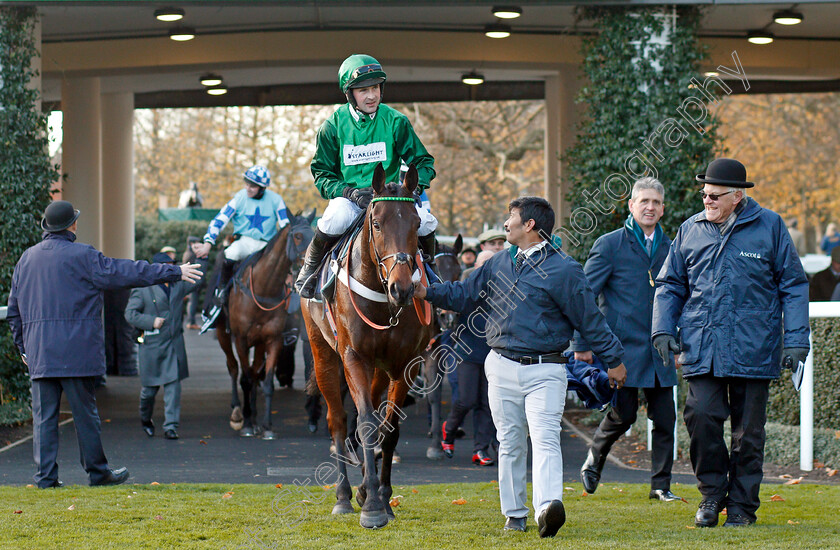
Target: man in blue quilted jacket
pixel 55 313
pixel 734 287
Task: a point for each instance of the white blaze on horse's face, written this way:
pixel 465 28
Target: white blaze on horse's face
pixel 395 225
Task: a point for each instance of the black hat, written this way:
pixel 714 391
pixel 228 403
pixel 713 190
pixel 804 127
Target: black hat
pixel 58 216
pixel 162 258
pixel 727 172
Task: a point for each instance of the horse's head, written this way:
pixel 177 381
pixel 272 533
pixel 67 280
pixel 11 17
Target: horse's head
pixel 300 233
pixel 392 224
pixel 447 260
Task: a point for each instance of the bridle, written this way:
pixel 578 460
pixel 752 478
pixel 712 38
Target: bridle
pixel 400 258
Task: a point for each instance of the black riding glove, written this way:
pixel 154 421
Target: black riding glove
pixel 791 357
pixel 664 344
pixel 361 197
pixel 417 200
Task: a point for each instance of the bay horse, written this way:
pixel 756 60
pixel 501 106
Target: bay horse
pixel 375 330
pixel 256 315
pixel 434 373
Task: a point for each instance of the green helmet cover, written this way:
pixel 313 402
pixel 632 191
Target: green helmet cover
pixel 358 71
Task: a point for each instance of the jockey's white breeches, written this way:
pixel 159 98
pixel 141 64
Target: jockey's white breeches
pixel 243 247
pixel 341 212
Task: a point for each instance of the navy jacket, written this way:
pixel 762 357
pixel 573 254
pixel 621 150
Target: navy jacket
pixel 621 274
pixel 727 295
pixel 535 311
pixel 55 305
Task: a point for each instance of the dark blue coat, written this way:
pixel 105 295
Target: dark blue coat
pixel 727 295
pixel 622 275
pixel 535 311
pixel 55 305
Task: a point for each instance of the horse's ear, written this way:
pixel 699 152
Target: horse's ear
pixel 311 216
pixel 459 244
pixel 297 214
pixel 411 179
pixel 378 182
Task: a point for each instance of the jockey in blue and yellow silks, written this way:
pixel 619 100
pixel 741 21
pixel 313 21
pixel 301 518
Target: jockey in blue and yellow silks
pixel 257 214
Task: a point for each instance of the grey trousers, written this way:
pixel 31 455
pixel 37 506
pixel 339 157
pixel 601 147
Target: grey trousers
pixel 46 399
pixel 171 404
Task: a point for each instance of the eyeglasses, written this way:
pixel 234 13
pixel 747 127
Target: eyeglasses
pixel 713 196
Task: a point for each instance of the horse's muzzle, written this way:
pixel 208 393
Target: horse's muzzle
pixel 401 293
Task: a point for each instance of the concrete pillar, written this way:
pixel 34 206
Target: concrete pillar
pixel 562 118
pixel 118 175
pixel 81 158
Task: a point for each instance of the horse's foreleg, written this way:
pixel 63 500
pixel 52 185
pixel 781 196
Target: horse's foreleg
pixel 246 381
pixel 433 375
pixel 390 431
pixel 358 381
pixel 233 371
pixel 274 349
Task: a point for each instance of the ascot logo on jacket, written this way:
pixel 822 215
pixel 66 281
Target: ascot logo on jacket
pixel 364 154
pixel 754 255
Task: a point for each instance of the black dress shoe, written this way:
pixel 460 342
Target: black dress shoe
pixel 170 434
pixel 665 495
pixel 515 524
pixel 148 427
pixel 551 519
pixel 53 485
pixel 738 520
pixel 707 513
pixel 590 472
pixel 114 477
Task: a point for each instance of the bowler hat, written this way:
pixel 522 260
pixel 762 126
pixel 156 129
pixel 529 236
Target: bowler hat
pixel 162 258
pixel 727 172
pixel 58 216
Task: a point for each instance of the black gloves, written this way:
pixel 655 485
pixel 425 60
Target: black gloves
pixel 664 344
pixel 791 357
pixel 361 196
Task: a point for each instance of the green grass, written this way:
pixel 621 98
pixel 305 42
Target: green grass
pixel 262 516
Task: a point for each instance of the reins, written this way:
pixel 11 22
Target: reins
pixel 284 301
pixel 399 258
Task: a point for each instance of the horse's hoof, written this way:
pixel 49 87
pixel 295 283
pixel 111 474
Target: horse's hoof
pixel 390 514
pixel 360 498
pixel 236 419
pixel 434 453
pixel 269 435
pixel 343 507
pixel 396 459
pixel 373 520
pixel 246 432
pixel 236 425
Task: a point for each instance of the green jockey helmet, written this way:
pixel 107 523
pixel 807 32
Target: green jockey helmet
pixel 360 71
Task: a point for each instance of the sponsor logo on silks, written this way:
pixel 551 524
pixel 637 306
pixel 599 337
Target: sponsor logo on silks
pixel 364 154
pixel 754 255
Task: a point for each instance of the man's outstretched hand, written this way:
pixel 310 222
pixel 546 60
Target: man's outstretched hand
pixel 190 273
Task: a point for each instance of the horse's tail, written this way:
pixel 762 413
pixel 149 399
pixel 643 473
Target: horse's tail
pixel 312 385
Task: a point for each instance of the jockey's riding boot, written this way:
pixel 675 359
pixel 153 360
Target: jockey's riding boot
pixel 318 248
pixel 428 247
pixel 225 275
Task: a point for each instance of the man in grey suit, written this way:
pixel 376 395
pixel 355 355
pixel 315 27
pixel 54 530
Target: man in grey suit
pixel 159 311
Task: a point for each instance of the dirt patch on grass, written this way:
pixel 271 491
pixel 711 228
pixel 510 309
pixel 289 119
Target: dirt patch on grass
pixel 632 452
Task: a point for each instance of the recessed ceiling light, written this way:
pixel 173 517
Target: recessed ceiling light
pixel 711 73
pixel 182 34
pixel 472 78
pixel 787 17
pixel 217 90
pixel 497 30
pixel 210 79
pixel 760 37
pixel 169 14
pixel 507 12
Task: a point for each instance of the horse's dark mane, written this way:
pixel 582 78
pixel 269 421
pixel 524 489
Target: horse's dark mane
pixel 393 189
pixel 445 248
pixel 255 257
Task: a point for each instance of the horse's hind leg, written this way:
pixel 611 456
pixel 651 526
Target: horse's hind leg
pixel 246 381
pixel 274 349
pixel 328 376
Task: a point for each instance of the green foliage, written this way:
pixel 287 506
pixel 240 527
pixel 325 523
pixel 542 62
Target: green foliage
pixel 25 175
pixel 783 405
pixel 627 98
pixel 151 235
